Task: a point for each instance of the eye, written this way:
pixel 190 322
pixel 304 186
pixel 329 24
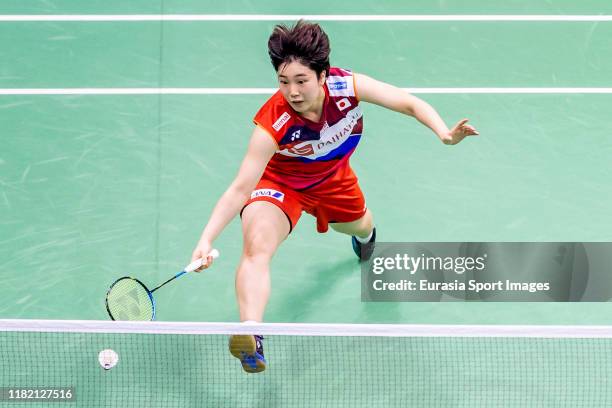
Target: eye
pixel 283 82
pixel 301 82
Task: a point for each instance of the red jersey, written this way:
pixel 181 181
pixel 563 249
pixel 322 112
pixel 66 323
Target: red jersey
pixel 309 152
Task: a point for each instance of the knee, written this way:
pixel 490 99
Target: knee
pixel 258 246
pixel 256 257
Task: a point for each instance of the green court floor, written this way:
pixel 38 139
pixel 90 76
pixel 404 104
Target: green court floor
pixel 96 187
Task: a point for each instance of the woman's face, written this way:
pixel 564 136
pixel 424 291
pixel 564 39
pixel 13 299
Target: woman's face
pixel 300 86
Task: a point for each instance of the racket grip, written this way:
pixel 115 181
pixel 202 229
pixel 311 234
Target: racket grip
pixel 198 262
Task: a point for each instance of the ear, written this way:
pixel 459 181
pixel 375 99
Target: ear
pixel 322 78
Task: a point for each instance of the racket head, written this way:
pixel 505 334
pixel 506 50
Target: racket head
pixel 129 299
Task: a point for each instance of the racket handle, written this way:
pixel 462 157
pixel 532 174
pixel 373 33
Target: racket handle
pixel 198 262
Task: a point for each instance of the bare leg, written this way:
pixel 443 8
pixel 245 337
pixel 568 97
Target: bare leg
pixel 361 227
pixel 264 227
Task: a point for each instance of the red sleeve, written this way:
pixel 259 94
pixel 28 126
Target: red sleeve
pixel 274 116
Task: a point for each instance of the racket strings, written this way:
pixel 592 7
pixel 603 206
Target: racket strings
pixel 128 299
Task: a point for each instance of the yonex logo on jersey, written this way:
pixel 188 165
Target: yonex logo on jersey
pixel 329 139
pixel 336 86
pixel 281 121
pixel 268 192
pixel 343 103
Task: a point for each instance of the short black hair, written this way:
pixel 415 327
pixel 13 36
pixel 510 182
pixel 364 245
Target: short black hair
pixel 305 42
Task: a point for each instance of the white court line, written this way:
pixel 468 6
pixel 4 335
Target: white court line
pixel 269 91
pixel 292 17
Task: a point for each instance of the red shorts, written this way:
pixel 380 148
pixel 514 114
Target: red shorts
pixel 336 199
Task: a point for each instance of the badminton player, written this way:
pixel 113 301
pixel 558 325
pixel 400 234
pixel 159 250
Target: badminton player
pixel 298 161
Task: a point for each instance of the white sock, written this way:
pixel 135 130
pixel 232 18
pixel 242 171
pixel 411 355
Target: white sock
pixel 250 322
pixel 366 239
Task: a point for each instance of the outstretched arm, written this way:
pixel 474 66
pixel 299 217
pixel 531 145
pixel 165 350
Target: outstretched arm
pixel 394 98
pixel 260 151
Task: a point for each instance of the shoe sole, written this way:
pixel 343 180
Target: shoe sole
pixel 244 348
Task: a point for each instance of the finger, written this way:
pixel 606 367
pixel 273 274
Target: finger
pixel 469 129
pixel 202 262
pixel 461 123
pixel 206 264
pixel 195 264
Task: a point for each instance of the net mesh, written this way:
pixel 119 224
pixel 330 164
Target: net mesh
pixel 128 299
pixel 165 369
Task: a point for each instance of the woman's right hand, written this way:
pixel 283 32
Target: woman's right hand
pixel 202 251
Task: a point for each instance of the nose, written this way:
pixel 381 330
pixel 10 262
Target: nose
pixel 293 90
